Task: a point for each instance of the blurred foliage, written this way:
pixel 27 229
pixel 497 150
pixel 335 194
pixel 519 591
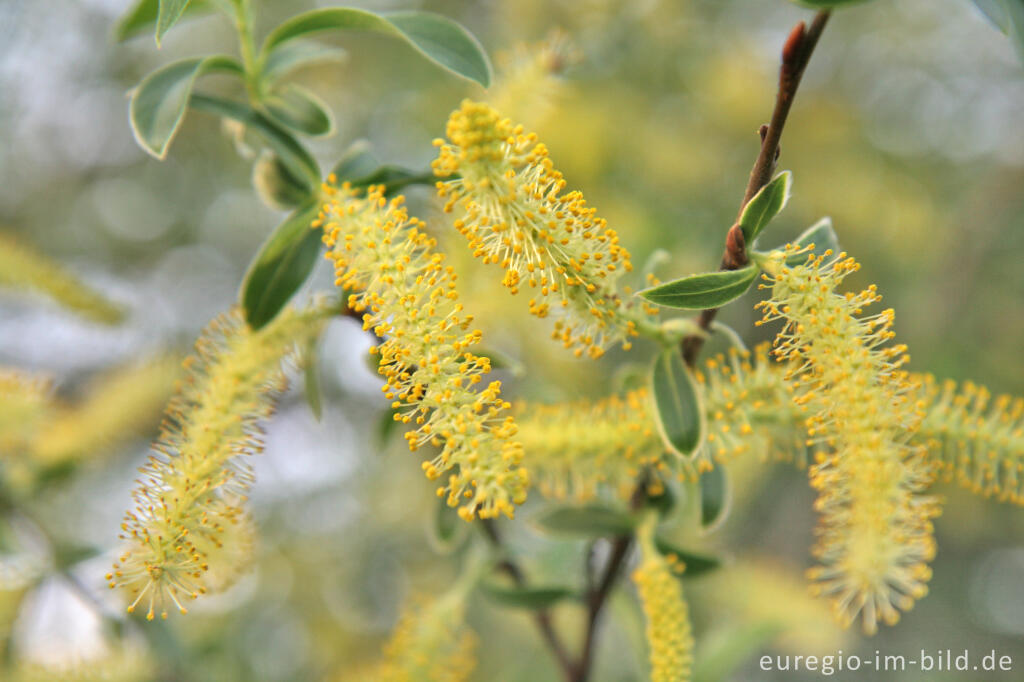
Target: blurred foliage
pixel 906 132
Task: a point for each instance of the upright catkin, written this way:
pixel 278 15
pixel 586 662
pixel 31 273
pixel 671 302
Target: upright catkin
pixel 188 530
pixel 407 296
pixel 875 533
pixel 516 214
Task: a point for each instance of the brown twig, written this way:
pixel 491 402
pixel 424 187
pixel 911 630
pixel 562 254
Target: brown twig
pixel 796 53
pixel 542 617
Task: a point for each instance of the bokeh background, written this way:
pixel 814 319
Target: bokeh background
pixel 907 131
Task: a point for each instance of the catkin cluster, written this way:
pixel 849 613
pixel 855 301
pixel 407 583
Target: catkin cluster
pixel 875 533
pixel 407 296
pixel 669 636
pixel 516 214
pixel 188 532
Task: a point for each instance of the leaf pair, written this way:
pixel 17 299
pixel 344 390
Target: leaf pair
pixel 715 289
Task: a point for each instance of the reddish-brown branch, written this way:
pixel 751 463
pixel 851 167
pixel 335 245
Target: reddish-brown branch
pixel 796 53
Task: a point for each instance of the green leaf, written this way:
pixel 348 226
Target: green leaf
pixel 296 54
pixel 715 497
pixel 281 266
pixel 995 11
pixel 765 205
pixel 679 411
pixel 66 556
pixel 141 18
pixel 526 597
pixel 696 564
pixel 158 103
pixel 441 40
pixel 822 235
pixel 299 109
pixel 592 520
pixel 394 178
pixel 705 290
pixel 169 13
pixel 292 154
pixel 311 375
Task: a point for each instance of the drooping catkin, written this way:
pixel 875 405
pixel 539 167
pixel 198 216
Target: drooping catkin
pixel 516 215
pixel 530 78
pixel 976 440
pixel 24 268
pixel 117 405
pixel 875 533
pixel 407 296
pixel 187 529
pixel 669 637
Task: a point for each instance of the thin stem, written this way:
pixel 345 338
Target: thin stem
pixel 541 617
pixel 795 56
pixel 247 46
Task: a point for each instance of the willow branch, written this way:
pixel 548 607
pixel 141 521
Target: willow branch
pixel 796 54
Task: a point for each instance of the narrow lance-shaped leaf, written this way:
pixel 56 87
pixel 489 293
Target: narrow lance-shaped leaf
pixel 167 16
pixel 158 103
pixel 678 407
pixel 311 376
pixel 591 520
pixel 142 17
pixel 705 290
pixel 441 40
pixel 526 597
pixel 282 265
pixel 715 497
pixel 765 205
pixel 299 109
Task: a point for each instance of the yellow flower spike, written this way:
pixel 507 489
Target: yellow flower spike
pixel 875 532
pixel 977 441
pixel 530 78
pixel 187 530
pixel 117 405
pixel 669 636
pixel 574 450
pixel 407 294
pixel 517 214
pixel 24 268
pixel 25 404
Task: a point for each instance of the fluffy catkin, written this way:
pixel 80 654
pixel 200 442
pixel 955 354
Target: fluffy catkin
pixel 669 637
pixel 574 450
pixel 875 532
pixel 407 296
pixel 187 530
pixel 516 215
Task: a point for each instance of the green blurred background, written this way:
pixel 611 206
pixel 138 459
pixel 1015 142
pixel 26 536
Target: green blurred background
pixel 907 132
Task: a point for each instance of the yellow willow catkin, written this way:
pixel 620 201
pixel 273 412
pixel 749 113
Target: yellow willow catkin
pixel 25 403
pixel 24 268
pixel 669 637
pixel 516 216
pixel 875 532
pixel 530 78
pixel 574 449
pixel 431 643
pixel 187 527
pixel 407 296
pixel 118 405
pixel 977 441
